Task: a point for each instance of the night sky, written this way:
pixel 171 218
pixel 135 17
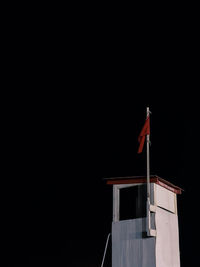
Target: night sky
pixel 77 121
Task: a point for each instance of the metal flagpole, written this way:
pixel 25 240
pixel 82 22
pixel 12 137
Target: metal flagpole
pixel 150 207
pixel 148 160
pixel 148 182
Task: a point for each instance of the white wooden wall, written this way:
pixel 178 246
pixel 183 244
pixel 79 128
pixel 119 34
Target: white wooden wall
pixel 130 246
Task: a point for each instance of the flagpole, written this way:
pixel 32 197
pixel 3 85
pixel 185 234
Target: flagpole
pixel 148 181
pixel 148 161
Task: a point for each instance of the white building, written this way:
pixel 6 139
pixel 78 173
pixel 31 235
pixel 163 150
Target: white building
pixel 139 240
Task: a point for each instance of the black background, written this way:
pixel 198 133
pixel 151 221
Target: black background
pixel 58 207
pixel 80 101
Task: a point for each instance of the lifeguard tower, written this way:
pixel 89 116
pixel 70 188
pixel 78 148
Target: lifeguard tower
pixel 144 233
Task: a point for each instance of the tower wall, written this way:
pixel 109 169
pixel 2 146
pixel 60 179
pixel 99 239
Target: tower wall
pixel 129 247
pixel 167 239
pixel 151 237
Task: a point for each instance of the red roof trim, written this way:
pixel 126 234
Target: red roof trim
pixel 170 188
pixel 142 180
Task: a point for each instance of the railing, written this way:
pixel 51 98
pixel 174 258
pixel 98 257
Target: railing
pixel 104 255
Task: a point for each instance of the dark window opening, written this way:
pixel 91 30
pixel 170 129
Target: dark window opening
pixel 133 202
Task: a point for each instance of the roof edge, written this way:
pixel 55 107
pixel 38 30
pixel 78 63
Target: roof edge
pixel 142 179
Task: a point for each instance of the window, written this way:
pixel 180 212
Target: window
pixel 129 202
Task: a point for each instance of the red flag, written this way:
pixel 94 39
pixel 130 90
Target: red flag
pixel 143 133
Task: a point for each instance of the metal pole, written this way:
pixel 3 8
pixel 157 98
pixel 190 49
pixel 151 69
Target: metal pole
pixel 148 182
pixel 105 249
pixel 148 161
